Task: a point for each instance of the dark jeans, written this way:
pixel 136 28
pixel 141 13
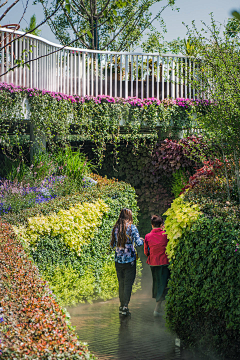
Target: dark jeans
pixel 160 275
pixel 126 274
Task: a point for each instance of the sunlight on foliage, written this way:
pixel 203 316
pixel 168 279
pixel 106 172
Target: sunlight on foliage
pixel 76 226
pixel 180 217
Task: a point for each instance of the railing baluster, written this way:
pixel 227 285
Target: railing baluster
pixel 31 64
pixel 33 67
pixel 189 86
pixel 177 78
pixel 168 76
pixel 142 83
pixel 68 92
pixel 71 74
pixel 47 67
pixel 88 75
pixel 163 79
pixel 111 75
pixel 2 58
pixel 173 78
pixel 96 67
pixel 75 74
pixel 181 77
pixel 79 74
pixel 24 58
pixel 116 76
pixel 131 75
pixel 147 76
pixel 153 76
pixel 16 43
pixel 120 75
pixel 37 64
pixel 64 71
pixel 20 54
pixel 7 59
pixel 185 78
pixel 158 69
pixel 106 60
pixel 194 81
pixel 12 63
pixel 58 69
pixel 137 76
pixel 84 74
pixel 92 67
pixel 101 75
pixel 126 76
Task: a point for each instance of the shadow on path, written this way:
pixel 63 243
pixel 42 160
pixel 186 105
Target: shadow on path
pixel 141 337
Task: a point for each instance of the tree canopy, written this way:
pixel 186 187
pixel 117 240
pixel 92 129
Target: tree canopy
pixel 114 25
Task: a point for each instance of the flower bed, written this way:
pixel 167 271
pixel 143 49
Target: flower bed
pixel 31 322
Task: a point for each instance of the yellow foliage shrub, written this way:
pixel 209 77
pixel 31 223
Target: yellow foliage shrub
pixel 180 216
pixel 76 226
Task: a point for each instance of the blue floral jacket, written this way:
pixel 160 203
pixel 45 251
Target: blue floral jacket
pixel 128 254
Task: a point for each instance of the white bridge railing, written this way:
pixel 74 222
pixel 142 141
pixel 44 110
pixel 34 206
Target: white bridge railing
pixel 83 72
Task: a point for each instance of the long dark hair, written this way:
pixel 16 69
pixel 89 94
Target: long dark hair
pixel 125 218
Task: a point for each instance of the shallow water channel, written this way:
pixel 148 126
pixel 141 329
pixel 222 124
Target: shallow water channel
pixel 141 337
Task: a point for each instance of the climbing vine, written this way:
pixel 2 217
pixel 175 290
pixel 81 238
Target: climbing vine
pixel 59 118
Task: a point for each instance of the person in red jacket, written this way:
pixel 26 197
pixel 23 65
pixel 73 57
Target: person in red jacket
pixel 155 249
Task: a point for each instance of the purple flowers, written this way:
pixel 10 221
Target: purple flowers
pixel 30 194
pixel 133 101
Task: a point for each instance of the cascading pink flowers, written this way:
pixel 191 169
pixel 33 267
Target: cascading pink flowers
pixel 133 101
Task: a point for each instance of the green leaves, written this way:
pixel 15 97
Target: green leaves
pixel 236 14
pixel 89 34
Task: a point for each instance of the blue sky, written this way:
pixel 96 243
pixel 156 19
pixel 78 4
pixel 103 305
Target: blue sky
pixel 189 10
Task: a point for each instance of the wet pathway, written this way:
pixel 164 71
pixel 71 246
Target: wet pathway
pixel 141 337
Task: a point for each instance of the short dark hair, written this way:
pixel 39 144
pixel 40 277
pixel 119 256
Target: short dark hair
pixel 156 221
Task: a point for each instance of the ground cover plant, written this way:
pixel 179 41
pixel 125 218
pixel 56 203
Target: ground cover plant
pixel 32 323
pixel 203 299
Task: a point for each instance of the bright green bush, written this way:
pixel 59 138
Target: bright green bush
pixel 180 216
pixel 76 226
pixel 68 286
pixel 204 289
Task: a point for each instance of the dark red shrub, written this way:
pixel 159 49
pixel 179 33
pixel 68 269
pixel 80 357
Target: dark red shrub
pixel 208 170
pixel 171 155
pixel 32 324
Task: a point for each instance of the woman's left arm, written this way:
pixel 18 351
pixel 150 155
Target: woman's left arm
pixel 136 237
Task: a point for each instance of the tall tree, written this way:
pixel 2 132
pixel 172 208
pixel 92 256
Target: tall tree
pixel 110 24
pixel 216 75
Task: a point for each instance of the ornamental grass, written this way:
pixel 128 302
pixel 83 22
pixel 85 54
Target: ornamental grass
pixel 32 324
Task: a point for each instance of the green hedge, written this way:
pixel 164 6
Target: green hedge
pixel 204 289
pixel 91 275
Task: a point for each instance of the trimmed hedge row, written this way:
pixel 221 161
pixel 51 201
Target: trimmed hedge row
pixel 204 288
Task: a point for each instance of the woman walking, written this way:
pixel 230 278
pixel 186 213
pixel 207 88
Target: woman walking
pixel 155 249
pixel 124 236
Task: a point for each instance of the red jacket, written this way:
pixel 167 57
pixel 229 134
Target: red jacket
pixel 154 247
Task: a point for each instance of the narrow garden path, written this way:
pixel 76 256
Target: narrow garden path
pixel 141 337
